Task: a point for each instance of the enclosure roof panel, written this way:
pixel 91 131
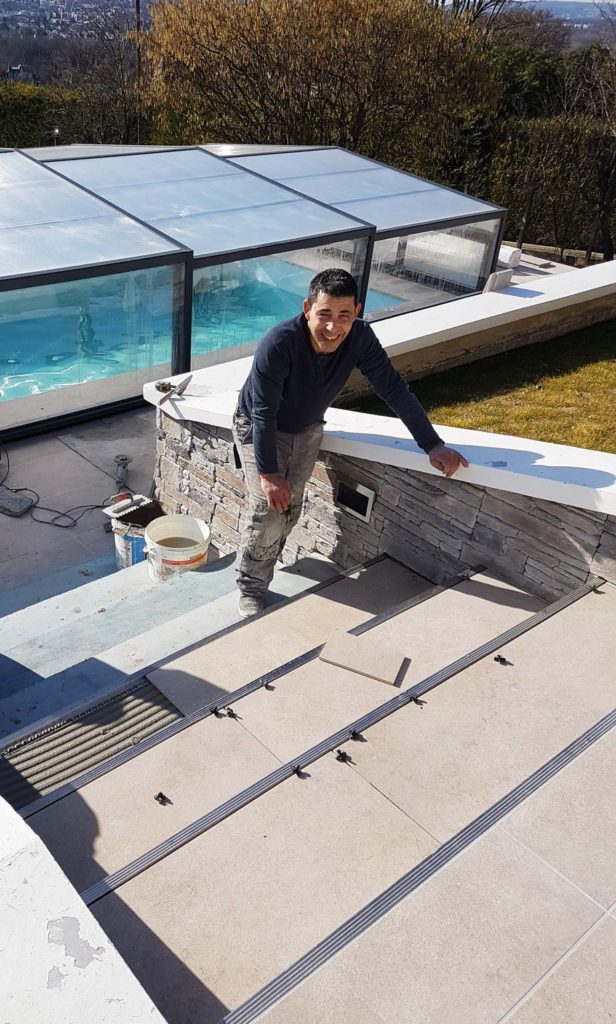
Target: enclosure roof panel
pixel 48 224
pixel 49 153
pixel 229 149
pixel 208 204
pixel 365 189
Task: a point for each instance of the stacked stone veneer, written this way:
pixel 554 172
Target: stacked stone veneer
pixel 436 526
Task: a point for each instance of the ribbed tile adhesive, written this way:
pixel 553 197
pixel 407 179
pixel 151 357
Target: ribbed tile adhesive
pixel 44 761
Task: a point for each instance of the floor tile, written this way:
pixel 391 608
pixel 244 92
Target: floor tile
pixel 482 732
pixel 287 632
pixel 239 903
pixel 571 822
pixel 103 826
pixel 582 990
pixel 459 950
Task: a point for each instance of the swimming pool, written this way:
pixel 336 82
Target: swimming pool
pixel 59 336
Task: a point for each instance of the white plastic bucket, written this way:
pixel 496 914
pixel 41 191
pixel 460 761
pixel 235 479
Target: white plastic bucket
pixel 175 544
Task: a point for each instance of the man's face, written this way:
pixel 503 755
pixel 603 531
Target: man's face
pixel 329 321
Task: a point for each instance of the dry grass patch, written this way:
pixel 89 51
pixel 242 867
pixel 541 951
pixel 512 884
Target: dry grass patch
pixel 562 390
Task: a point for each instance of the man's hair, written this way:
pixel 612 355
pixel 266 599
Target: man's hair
pixel 335 282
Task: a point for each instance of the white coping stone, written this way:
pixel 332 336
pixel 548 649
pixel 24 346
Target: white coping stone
pixel 552 472
pixel 57 962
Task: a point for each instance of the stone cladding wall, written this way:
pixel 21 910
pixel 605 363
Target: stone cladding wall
pixel 434 525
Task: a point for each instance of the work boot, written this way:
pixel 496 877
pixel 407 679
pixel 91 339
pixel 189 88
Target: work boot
pixel 248 605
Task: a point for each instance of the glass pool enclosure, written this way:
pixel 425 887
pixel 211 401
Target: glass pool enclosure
pixel 119 265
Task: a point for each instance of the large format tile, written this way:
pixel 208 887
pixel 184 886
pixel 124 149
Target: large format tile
pixel 454 622
pixel 99 828
pixel 582 990
pixel 309 704
pixel 244 900
pixel 571 822
pixel 485 730
pixel 269 641
pixel 459 950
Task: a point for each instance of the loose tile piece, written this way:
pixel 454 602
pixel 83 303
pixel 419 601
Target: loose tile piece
pixel 368 657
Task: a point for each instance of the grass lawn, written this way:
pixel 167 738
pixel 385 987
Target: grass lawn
pixel 562 390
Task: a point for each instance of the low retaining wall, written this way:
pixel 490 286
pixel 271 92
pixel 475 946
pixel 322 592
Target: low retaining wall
pixel 434 525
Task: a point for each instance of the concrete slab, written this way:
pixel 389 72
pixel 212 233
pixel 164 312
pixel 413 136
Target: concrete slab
pixel 131 434
pixel 459 950
pixel 367 657
pixel 268 641
pixel 55 472
pixel 241 902
pixel 478 735
pixel 58 467
pixel 582 988
pixel 57 963
pixel 571 822
pixel 46 585
pixel 103 826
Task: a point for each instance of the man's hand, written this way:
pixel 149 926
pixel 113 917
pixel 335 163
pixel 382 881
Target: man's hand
pixel 277 490
pixel 447 460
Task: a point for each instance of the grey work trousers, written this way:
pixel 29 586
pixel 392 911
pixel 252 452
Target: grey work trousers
pixel 266 531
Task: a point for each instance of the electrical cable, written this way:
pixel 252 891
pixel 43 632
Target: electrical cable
pixel 56 514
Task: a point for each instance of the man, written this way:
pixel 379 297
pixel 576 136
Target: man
pixel 299 368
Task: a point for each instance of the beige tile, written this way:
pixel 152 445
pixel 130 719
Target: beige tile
pixel 485 730
pixel 239 904
pixel 440 630
pixel 103 826
pixel 582 990
pixel 359 654
pixel 284 633
pixel 308 705
pixel 459 950
pixel 571 821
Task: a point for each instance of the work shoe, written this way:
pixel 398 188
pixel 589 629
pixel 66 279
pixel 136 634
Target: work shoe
pixel 249 605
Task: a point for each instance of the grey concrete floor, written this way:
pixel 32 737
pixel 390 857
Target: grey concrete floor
pixel 68 469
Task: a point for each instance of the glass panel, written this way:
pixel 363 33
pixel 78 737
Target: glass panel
pixel 422 207
pixel 420 270
pixel 359 185
pixel 234 304
pixel 210 205
pixel 314 161
pixel 82 343
pixel 377 194
pixel 47 223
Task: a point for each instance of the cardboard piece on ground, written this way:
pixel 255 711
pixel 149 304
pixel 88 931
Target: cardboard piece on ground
pixel 367 657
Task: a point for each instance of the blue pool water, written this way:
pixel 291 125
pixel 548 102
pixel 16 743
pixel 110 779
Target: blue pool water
pixel 61 335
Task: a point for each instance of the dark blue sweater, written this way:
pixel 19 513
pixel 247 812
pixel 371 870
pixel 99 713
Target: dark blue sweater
pixel 290 386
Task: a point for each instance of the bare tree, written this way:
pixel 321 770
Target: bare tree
pixel 101 72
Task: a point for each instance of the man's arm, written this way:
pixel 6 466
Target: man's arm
pixel 393 389
pixel 270 370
